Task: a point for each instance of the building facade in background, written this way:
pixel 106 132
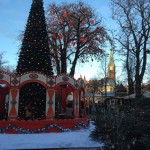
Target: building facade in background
pixel 98 90
pixel 107 84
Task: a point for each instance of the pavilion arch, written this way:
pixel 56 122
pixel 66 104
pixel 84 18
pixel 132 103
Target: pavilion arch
pixel 28 107
pixel 52 86
pixel 64 100
pixel 5 82
pixel 5 78
pixel 4 98
pixel 33 81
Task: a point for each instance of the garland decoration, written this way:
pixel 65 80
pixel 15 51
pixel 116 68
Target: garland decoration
pixel 41 130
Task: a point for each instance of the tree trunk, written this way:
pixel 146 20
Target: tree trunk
pixel 129 76
pixel 131 87
pixel 139 76
pixel 63 61
pixel 58 67
pixel 72 72
pixel 138 92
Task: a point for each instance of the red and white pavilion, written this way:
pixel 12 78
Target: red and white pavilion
pixel 77 118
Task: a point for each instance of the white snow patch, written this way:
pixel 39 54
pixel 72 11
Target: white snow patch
pixel 71 139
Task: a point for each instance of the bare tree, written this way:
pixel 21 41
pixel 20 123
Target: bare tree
pixel 93 88
pixel 3 64
pixel 130 61
pixel 133 18
pixel 104 72
pixel 2 61
pixel 148 72
pixel 76 34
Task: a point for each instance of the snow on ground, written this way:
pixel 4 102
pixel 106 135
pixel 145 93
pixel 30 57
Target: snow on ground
pixel 71 139
pixel 145 94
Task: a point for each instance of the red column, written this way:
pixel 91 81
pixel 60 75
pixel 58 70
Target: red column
pixel 12 102
pixel 76 104
pixel 50 113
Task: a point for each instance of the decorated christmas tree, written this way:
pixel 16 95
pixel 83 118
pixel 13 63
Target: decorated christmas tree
pixel 34 56
pixel 35 53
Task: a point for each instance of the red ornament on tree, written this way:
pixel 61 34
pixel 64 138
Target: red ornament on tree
pixel 91 21
pixel 83 23
pixel 101 51
pixel 60 36
pixel 59 20
pixel 54 36
pixel 55 53
pixel 82 40
pixel 65 14
pixel 70 24
pixel 98 39
pixel 53 17
pixel 51 11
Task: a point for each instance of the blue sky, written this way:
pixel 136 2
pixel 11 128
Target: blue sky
pixel 13 18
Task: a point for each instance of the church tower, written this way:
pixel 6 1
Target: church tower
pixel 111 66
